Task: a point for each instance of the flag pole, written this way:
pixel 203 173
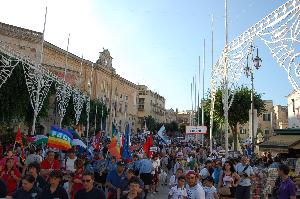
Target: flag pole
pixel 202 101
pixel 39 63
pixel 212 64
pixel 65 74
pixel 199 71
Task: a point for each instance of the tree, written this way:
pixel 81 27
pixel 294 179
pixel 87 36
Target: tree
pixel 239 110
pixel 151 123
pixel 15 102
pixel 102 113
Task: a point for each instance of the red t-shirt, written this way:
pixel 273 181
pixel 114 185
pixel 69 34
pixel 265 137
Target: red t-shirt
pixel 47 165
pixel 76 186
pixel 11 183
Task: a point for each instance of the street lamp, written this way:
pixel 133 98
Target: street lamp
pixel 249 72
pixel 257 60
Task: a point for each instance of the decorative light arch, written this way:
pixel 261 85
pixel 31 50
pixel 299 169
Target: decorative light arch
pixel 280 31
pixel 39 81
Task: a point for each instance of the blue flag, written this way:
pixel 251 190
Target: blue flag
pixel 126 149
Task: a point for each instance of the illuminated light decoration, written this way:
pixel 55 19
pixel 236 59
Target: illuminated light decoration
pixel 78 101
pixel 8 61
pixel 280 32
pixel 38 85
pixel 63 94
pixel 38 80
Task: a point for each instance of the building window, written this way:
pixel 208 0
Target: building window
pixel 141 107
pixel 242 130
pixel 141 100
pixel 266 117
pixel 121 96
pixel 293 101
pixel 126 97
pixel 120 108
pixel 267 132
pixel 126 107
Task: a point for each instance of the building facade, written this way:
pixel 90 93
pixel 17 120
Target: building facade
pixel 293 110
pixel 119 94
pixel 280 117
pixel 264 124
pixel 184 117
pixel 150 104
pixel 171 115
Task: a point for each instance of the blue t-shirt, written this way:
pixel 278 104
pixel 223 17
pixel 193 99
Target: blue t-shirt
pixel 216 174
pixel 145 166
pixel 115 179
pixel 111 166
pixel 245 181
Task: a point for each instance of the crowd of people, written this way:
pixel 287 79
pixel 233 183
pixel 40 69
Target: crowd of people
pixel 187 171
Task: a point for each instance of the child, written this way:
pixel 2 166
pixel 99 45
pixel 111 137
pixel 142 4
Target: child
pixel 210 190
pixel 179 190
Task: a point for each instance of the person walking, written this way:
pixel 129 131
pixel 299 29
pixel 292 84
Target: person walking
pixel 145 173
pixel 113 180
pixel 28 190
pixel 34 170
pixel 245 172
pixel 287 188
pixel 228 181
pixel 194 190
pixel 55 190
pixel 89 191
pixel 11 176
pixel 178 191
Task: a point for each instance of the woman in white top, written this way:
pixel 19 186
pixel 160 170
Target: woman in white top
pixel 155 172
pixel 228 179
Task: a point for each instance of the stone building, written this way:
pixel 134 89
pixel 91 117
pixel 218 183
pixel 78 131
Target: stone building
pixel 184 117
pixel 119 94
pixel 293 110
pixel 171 115
pixel 264 124
pixel 280 117
pixel 150 104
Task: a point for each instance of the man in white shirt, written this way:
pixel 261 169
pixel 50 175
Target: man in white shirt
pixel 69 164
pixel 194 190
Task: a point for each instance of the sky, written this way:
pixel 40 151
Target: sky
pixel 153 42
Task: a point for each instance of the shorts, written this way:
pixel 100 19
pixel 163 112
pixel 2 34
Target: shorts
pixel 146 178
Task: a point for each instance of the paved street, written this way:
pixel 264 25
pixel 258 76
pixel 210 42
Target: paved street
pixel 162 193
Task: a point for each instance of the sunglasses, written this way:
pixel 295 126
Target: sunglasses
pixel 86 181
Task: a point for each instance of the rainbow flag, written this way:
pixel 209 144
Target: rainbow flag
pixel 60 139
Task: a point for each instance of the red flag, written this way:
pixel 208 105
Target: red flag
pixel 114 149
pixel 19 136
pixel 148 143
pixel 19 140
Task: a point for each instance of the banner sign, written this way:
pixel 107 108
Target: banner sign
pixel 195 130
